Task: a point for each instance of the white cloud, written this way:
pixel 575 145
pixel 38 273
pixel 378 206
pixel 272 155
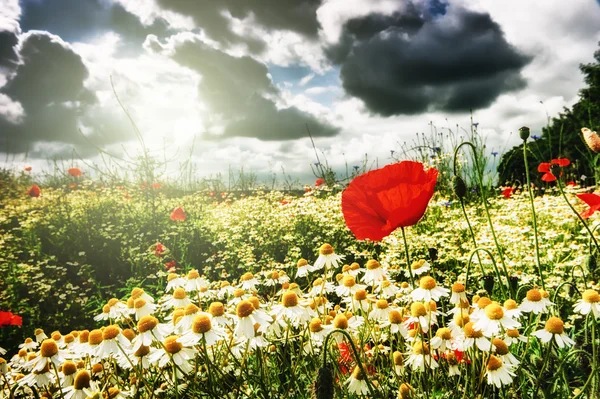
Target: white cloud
pixel 11 110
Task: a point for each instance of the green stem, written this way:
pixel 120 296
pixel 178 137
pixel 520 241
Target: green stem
pixel 546 359
pixel 484 201
pixel 412 279
pixel 558 182
pixel 534 217
pixel 476 251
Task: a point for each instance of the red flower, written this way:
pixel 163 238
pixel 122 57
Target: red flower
pixel 571 184
pixel 156 186
pixel 284 202
pixel 178 214
pixel 544 168
pixel 171 266
pixel 34 191
pixel 593 201
pixel 27 168
pixel 507 192
pixel 378 202
pixel 561 162
pixel 75 172
pixel 159 250
pixel 319 182
pixel 10 319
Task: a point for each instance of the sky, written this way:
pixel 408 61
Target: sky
pixel 237 83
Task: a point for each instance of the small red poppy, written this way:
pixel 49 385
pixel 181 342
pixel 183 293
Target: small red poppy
pixel 507 192
pixel 75 172
pixel 178 214
pixel 571 184
pixel 171 266
pixel 284 202
pixel 561 162
pixel 10 319
pixel 544 168
pixel 378 202
pixel 27 168
pixel 319 182
pixel 159 250
pixel 156 186
pixel 593 201
pixel 34 191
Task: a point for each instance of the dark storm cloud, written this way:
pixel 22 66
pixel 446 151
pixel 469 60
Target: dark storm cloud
pixel 8 53
pixel 294 15
pixel 49 85
pixel 235 88
pixel 79 20
pixel 411 61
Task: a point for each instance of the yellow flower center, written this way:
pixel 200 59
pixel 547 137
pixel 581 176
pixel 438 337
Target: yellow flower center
pixel 315 325
pixel 255 302
pixel 326 249
pixel 238 292
pixel 372 264
pixel 470 332
pixel 483 302
pixel 427 283
pixel 420 348
pixel 216 309
pixel 83 336
pixel 49 348
pixel 501 347
pixel 247 276
pixel 405 391
pixel 341 322
pixel 201 324
pixel 179 293
pixel 591 296
pixel 354 266
pixel 136 293
pixel 494 311
pixel 289 299
pixel 95 337
pixel 302 262
pixel 360 295
pixel 510 304
pixel 494 363
pixel 458 288
pixel 417 309
pixel 82 380
pixel 69 338
pixel 139 303
pixel 382 304
pixel 142 351
pixel 554 325
pixel 193 274
pixel 172 276
pixel 110 332
pixel 171 344
pixel 534 295
pixel 398 359
pixel 69 368
pixel 112 302
pixel 147 323
pixel 129 334
pixel 357 373
pixel 348 281
pixel 444 333
pixel 513 333
pixel 418 264
pixel 191 309
pixel 395 317
pixel 244 309
pixel 461 320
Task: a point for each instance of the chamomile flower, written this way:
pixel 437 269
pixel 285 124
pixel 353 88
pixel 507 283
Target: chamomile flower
pixel 321 287
pixel 39 378
pixel 149 330
pixel 40 335
pixel 428 290
pixel 419 317
pixel 453 363
pixel 49 354
pixel 137 293
pixel 554 329
pixel 458 294
pixel 498 373
pixel 173 349
pixel 143 308
pixel 348 286
pixel 398 362
pixel 82 384
pixel 512 336
pixel 67 373
pixel 195 282
pixel 352 269
pixel 374 272
pixel 327 258
pixel 358 301
pixel 380 311
pixel 111 340
pixel 185 322
pixel 226 290
pixel 590 302
pixel 387 289
pixel 246 320
pixel 218 315
pixel 420 357
pixel 248 281
pixel 443 339
pixel 291 311
pixel 419 267
pixel 396 323
pixel 474 337
pixel 28 344
pixel 179 299
pixel 535 302
pixel 511 309
pixel 502 351
pixel 458 322
pixel 202 331
pixel 357 383
pixel 303 268
pixel 174 281
pixel 318 330
pixel 493 319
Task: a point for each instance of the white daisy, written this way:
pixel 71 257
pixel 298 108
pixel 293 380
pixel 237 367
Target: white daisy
pixel 303 268
pixel 498 373
pixel 554 329
pixel 356 383
pixel 327 258
pixel 374 273
pixel 493 319
pixel 590 302
pixel 428 290
pixel 535 302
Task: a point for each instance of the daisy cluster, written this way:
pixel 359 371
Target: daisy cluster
pixel 204 336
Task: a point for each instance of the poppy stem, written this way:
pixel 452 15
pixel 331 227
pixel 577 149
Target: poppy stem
pixel 534 218
pixel 558 182
pixel 412 279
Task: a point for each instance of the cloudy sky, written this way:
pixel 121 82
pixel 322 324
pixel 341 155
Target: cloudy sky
pixel 237 82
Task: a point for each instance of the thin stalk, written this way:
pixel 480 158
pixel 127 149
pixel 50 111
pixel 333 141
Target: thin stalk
pixel 558 182
pixel 539 378
pixel 412 279
pixel 534 217
pixel 484 201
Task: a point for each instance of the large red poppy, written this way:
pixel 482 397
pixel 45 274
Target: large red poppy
pixel 75 172
pixel 178 214
pixel 34 191
pixel 378 202
pixel 593 201
pixel 10 319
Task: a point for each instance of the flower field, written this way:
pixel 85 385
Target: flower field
pixel 386 289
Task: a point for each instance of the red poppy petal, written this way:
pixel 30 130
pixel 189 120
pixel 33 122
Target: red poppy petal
pixel 561 162
pixel 507 192
pixel 378 202
pixel 544 167
pixel 593 200
pixel 548 177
